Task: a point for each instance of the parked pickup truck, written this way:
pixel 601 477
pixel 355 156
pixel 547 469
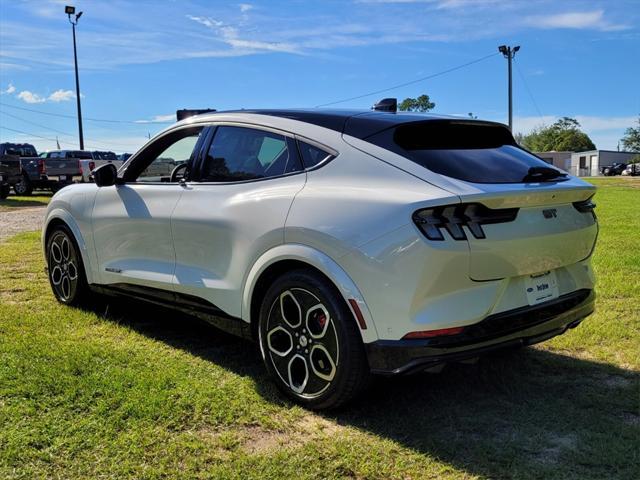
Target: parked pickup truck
pixel 50 173
pixel 9 173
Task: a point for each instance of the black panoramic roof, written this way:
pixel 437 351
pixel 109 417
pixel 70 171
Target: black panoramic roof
pixel 356 123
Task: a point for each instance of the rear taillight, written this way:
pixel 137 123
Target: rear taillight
pixel 42 168
pixel 452 218
pixel 442 332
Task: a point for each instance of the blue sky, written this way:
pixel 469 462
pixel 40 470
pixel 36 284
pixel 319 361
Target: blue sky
pixel 140 61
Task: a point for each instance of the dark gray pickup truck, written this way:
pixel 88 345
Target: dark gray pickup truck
pixel 9 173
pixel 51 173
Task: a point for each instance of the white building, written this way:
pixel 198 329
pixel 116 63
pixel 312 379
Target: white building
pixel 562 160
pixel 586 164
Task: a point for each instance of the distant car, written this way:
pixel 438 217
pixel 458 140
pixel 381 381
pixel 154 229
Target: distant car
pixel 633 169
pixel 344 242
pixel 124 156
pixel 614 169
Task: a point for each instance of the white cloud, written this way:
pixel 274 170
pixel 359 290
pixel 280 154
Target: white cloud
pixel 159 119
pixel 245 7
pixel 61 96
pixel 232 36
pixel 6 66
pixel 574 20
pixel 30 97
pixel 206 21
pixel 9 90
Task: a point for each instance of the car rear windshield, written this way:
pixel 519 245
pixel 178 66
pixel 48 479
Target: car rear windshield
pixel 475 152
pixel 80 154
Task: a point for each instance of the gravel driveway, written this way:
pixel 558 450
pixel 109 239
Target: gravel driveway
pixel 20 220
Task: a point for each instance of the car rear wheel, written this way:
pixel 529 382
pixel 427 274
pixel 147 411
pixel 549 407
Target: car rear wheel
pixel 66 270
pixel 310 343
pixel 23 187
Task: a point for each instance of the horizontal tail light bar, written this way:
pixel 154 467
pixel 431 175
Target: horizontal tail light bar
pixel 433 221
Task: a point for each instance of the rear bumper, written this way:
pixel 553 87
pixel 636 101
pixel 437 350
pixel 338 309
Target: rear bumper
pixel 522 326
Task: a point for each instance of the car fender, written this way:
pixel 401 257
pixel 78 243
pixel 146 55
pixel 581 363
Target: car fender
pixel 323 263
pixel 67 218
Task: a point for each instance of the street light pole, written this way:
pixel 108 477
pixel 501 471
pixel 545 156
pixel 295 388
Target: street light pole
pixel 509 53
pixel 72 11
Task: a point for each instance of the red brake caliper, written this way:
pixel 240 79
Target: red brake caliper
pixel 322 319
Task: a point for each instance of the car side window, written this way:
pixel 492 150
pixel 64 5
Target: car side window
pixel 312 156
pixel 240 154
pixel 159 159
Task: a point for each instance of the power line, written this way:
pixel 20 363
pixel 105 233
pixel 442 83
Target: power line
pixel 526 86
pixel 2 127
pixel 443 72
pixel 95 142
pixel 28 133
pixel 37 124
pixel 42 112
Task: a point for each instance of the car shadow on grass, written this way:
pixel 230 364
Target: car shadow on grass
pixel 521 414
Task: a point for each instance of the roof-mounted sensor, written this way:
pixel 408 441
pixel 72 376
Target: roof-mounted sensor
pixel 386 105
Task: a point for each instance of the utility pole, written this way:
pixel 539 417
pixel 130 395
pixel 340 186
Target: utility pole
pixel 509 53
pixel 69 10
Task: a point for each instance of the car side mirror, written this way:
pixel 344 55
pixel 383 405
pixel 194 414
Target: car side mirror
pixel 105 175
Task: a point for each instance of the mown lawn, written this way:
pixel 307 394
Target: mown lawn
pixel 37 200
pixel 129 391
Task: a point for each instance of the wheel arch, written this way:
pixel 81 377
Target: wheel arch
pixel 290 257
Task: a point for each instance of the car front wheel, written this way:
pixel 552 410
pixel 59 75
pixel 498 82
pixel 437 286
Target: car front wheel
pixel 310 342
pixel 66 270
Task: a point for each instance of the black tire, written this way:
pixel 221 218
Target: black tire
pixel 316 357
pixel 23 187
pixel 4 191
pixel 65 268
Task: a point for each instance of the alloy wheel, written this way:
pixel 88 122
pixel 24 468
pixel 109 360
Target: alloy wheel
pixel 302 342
pixel 63 266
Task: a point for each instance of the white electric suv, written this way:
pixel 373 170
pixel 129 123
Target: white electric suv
pixel 344 242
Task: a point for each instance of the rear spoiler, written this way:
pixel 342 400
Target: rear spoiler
pixel 186 113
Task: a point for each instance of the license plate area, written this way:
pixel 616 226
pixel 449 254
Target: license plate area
pixel 541 287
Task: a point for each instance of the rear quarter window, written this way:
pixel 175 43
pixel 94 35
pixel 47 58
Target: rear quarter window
pixel 475 152
pixel 312 156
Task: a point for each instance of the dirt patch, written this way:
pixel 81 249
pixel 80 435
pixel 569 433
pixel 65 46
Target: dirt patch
pixel 20 220
pixel 256 440
pixel 556 444
pixel 631 418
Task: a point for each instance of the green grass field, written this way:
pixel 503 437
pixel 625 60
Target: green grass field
pixel 14 201
pixel 130 391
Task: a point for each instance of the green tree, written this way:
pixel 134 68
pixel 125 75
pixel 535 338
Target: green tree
pixel 421 104
pixel 631 139
pixel 563 135
pixel 519 138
